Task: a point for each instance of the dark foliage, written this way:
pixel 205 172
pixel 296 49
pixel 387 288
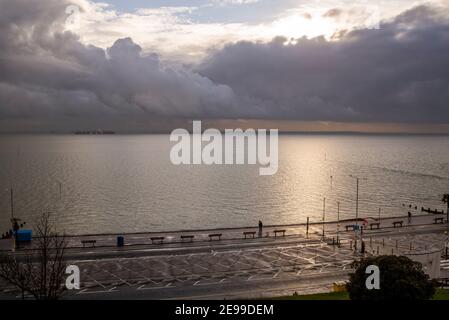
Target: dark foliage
pixel 400 279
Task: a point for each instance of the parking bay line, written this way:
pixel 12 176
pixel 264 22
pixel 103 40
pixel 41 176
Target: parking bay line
pixel 168 286
pixel 209 283
pixel 85 291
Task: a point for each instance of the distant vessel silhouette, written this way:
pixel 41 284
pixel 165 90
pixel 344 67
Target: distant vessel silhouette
pixel 95 132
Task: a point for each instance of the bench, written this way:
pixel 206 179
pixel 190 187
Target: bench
pixel 159 240
pixel 189 237
pixel 349 226
pixel 92 242
pixel 438 220
pixel 215 235
pixel 397 223
pixel 375 225
pixel 249 233
pixel 279 231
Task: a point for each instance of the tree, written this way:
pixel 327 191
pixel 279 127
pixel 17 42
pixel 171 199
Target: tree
pixel 39 271
pixel 400 279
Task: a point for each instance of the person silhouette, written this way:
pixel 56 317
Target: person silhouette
pixel 260 228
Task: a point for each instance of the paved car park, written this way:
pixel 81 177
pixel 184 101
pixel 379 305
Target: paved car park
pixel 214 267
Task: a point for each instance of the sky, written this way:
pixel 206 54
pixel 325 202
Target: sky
pixel 155 65
pixel 187 30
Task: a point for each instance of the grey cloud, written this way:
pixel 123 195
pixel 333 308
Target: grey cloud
pixel 49 79
pixel 399 73
pixel 48 75
pixel 332 13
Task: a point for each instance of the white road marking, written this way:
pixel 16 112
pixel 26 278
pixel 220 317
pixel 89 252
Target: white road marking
pixel 115 276
pixel 96 281
pixel 84 291
pixel 198 283
pixel 167 286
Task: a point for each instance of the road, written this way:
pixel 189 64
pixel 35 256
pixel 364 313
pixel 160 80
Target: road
pixel 235 267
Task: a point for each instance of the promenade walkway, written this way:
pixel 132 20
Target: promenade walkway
pixel 173 238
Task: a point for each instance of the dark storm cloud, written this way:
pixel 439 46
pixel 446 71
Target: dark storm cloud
pixel 399 73
pixel 47 74
pixel 49 79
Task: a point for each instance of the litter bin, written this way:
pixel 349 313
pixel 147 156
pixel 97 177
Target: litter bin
pixel 24 235
pixel 120 241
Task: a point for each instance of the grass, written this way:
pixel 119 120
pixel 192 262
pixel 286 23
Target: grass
pixel 318 296
pixel 440 294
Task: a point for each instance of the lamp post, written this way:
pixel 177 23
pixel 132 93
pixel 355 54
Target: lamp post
pixel 14 222
pixel 338 222
pixel 447 216
pixel 324 213
pixel 12 204
pixel 446 197
pixel 357 206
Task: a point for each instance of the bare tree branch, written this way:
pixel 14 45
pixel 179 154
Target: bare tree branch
pixel 39 272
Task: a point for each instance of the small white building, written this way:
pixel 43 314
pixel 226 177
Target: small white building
pixel 430 259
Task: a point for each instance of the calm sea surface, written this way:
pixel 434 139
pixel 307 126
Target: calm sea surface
pixel 126 183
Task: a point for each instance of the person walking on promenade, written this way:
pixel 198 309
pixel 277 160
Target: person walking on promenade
pixel 260 228
pixel 409 217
